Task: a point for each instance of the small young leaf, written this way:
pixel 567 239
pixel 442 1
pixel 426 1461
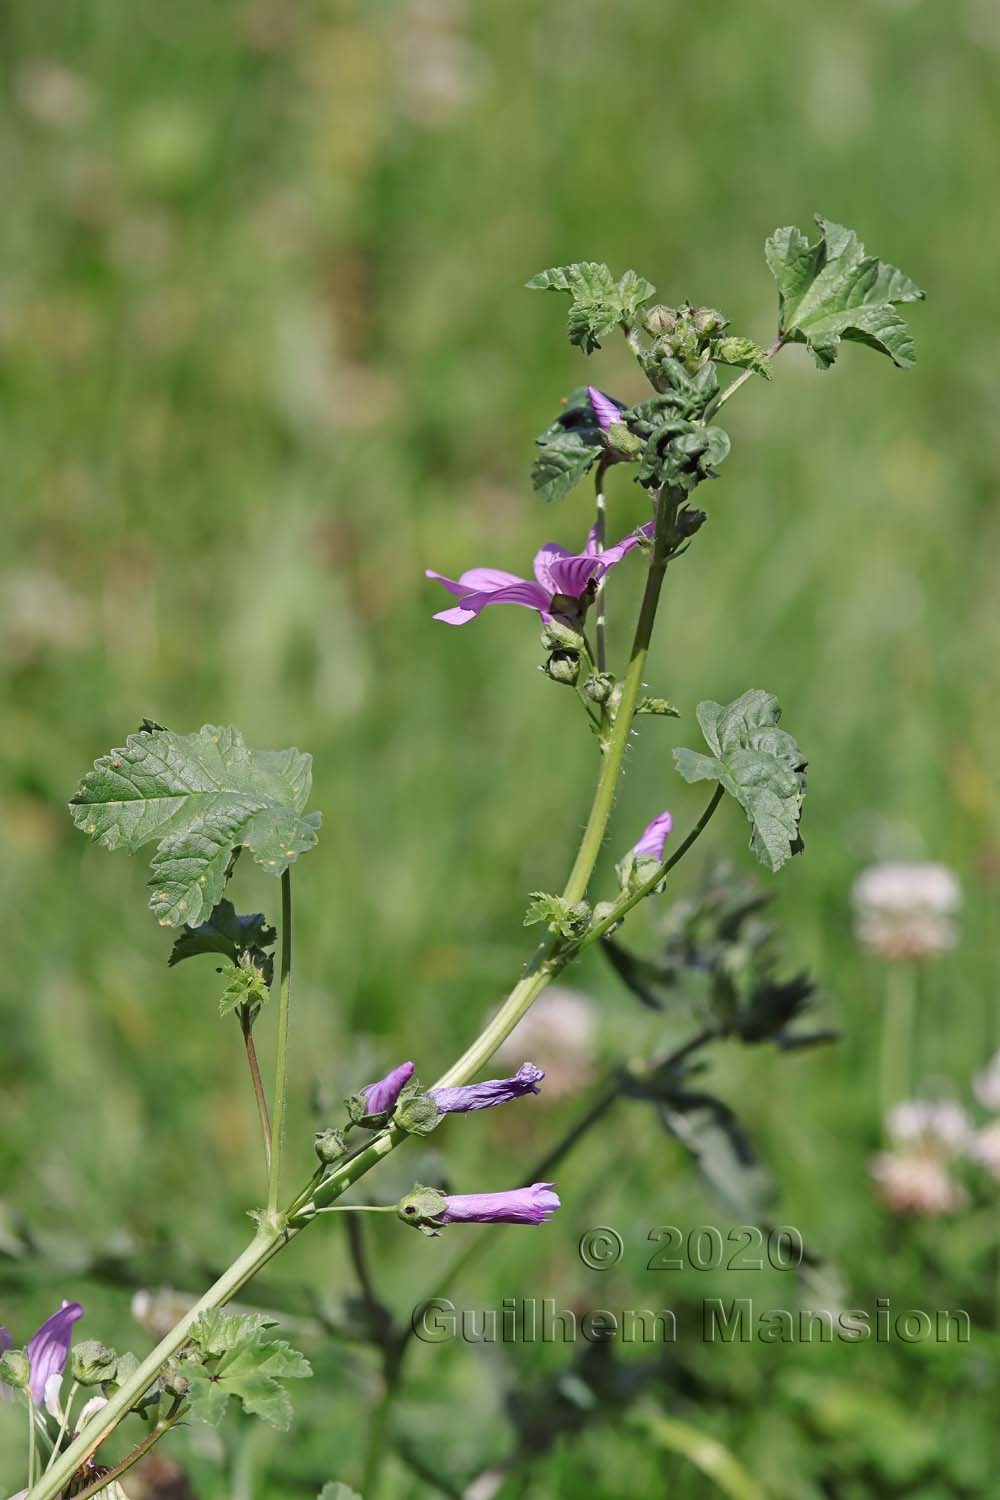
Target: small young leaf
pixel 245 985
pixel 758 764
pixel 832 290
pixel 599 302
pixel 338 1491
pixel 236 1359
pixel 200 796
pixel 562 918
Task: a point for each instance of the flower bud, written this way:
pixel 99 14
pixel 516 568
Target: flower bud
pixel 330 1146
pixel 708 320
pixel 689 520
pixel 92 1362
pixel 599 686
pixel 564 667
pixel 15 1369
pixel 174 1382
pixel 660 320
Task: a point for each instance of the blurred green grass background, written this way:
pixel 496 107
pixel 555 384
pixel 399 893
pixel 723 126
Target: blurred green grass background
pixel 264 357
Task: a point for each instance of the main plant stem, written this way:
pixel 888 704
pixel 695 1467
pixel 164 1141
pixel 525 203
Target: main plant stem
pixel 281 1054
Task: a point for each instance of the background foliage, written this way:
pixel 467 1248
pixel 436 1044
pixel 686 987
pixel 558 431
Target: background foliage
pixel 264 356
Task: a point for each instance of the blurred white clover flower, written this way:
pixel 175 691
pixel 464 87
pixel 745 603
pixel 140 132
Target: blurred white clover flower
pixel 906 911
pixel 936 1127
pixel 916 1182
pixel 986 1084
pixel 560 1031
pixel 986 1148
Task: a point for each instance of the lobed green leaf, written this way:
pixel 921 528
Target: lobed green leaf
pixel 237 1360
pixel 200 797
pixel 832 290
pixel 599 302
pixel 757 763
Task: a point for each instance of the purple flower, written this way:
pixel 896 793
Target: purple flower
pixel 655 837
pixel 605 410
pixel 557 572
pixel 47 1350
pixel 381 1097
pixel 530 1205
pixel 493 1091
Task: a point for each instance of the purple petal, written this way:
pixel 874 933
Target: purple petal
pixel 544 559
pixel 380 1097
pixel 475 580
pixel 570 575
pixel 605 409
pixel 612 555
pixel 655 837
pixel 531 1205
pixel 492 1091
pixel 49 1348
pixel 531 595
pixel 456 616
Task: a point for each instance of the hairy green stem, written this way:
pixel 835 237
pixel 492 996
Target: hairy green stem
pixel 246 1027
pixel 281 1057
pixel 31 1439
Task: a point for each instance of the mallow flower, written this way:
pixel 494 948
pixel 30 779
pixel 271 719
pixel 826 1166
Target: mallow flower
pixel 559 575
pixel 491 1091
pixel 48 1351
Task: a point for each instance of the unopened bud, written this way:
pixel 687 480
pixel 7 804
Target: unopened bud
pixel 689 520
pixel 92 1362
pixel 660 319
pixel 174 1382
pixel 708 320
pixel 563 666
pixel 599 686
pixel 330 1146
pixel 15 1369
